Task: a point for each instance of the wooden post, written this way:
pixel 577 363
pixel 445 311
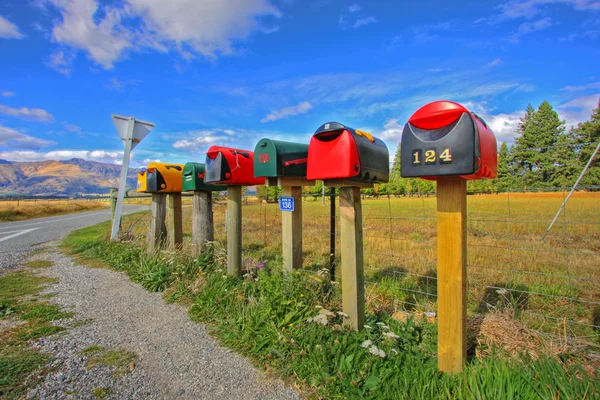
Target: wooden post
pixel 291 230
pixel 234 231
pixel 174 221
pixel 157 236
pixel 452 273
pixel 203 228
pixel 353 279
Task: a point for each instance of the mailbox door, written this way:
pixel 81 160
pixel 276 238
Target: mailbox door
pixel 332 154
pixel 217 169
pixel 193 179
pixel 274 158
pixel 141 182
pixel 374 158
pixel 154 180
pixel 230 166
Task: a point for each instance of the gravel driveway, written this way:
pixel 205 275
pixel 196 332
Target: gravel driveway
pixel 176 358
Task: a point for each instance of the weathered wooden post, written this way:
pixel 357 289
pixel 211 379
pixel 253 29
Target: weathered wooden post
pixel 446 142
pixel 164 182
pixel 233 168
pixel 203 231
pixel 174 221
pixel 349 159
pixel 113 202
pixel 157 236
pixel 284 164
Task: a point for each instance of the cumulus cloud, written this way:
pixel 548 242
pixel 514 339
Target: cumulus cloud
pixel 113 157
pixel 7 93
pixel 36 114
pixel 10 138
pixel 8 30
pixel 392 130
pixel 191 28
pixel 61 61
pixel 301 108
pixel 579 109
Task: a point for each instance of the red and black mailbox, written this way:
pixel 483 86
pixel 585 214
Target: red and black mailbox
pixel 339 152
pixel 229 166
pixel 443 138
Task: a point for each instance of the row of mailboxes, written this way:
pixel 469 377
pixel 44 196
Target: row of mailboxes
pixel 441 139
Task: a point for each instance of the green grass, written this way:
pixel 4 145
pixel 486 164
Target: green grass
pixel 101 393
pixel 119 360
pixel 39 264
pixel 21 366
pixel 92 350
pixel 265 316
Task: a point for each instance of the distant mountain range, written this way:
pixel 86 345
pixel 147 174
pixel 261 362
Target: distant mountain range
pixel 74 177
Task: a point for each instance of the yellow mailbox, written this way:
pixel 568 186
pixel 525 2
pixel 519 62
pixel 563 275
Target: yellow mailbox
pixel 164 178
pixel 141 182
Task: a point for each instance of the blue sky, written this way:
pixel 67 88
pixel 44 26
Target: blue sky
pixel 229 72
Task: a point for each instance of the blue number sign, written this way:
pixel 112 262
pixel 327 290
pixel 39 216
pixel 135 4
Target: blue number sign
pixel 286 203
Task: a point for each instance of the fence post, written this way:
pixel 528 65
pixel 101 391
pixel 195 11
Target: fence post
pixel 452 273
pixel 203 230
pixel 234 231
pixel 332 234
pixel 291 230
pixel 174 221
pixel 353 279
pixel 158 230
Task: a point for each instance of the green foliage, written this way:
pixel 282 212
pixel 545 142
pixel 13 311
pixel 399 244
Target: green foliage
pixel 119 360
pixel 21 365
pixel 587 134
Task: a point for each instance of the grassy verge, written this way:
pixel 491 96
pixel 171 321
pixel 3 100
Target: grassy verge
pixel 13 211
pixel 24 317
pixel 288 325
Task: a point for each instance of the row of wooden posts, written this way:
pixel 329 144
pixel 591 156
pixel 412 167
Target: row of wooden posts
pixel 166 230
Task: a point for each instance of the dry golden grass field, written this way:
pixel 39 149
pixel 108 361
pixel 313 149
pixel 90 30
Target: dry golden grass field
pixel 552 284
pixel 17 210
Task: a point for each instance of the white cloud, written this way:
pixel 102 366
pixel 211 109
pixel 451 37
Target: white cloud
pixel 364 21
pixel 61 61
pixel 8 30
pixel 495 63
pixel 7 93
pixel 202 139
pixel 113 157
pixel 36 114
pixel 10 138
pixel 528 27
pixel 530 8
pixel 189 27
pixel 301 108
pixel 392 130
pixel 72 128
pixel 581 88
pixel 354 8
pixel 118 85
pixel 579 109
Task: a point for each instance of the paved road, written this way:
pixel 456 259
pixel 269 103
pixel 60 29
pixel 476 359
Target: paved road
pixel 20 237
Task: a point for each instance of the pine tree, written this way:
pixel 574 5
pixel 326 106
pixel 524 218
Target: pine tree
pixel 534 152
pixel 504 180
pixel 589 132
pixel 566 161
pixel 397 165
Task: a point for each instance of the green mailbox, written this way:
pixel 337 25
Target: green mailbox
pixel 193 179
pixel 275 158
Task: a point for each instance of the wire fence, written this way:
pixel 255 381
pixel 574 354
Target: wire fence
pixel 552 284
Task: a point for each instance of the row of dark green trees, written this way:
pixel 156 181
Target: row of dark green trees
pixel 545 155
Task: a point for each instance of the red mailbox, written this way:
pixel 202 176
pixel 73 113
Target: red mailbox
pixel 339 152
pixel 443 138
pixel 228 166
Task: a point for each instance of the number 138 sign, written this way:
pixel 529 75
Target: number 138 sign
pixel 286 203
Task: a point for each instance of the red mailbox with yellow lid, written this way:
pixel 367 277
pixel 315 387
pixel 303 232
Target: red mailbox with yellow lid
pixel 232 167
pixel 443 138
pixel 337 151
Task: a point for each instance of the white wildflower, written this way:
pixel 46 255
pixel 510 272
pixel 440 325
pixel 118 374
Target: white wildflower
pixel 319 319
pixel 366 344
pixel 224 276
pixel 367 326
pixel 394 351
pixel 327 312
pixel 502 292
pixel 319 307
pixel 429 314
pixel 318 347
pixel 391 335
pixel 376 352
pixel 342 314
